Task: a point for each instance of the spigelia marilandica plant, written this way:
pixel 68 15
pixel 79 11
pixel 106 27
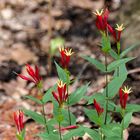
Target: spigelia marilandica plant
pixel 63 125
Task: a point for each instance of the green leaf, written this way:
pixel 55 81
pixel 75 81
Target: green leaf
pixel 98 96
pixel 114 54
pixel 66 118
pixel 48 95
pixel 76 132
pixel 50 136
pixel 114 85
pixel 93 134
pixel 106 46
pixel 62 74
pixel 127 50
pixel 77 95
pixel 33 99
pixel 35 116
pixel 111 130
pixel 132 108
pixel 96 63
pixel 93 116
pixel 127 119
pixel 117 63
pixel 55 44
pixel 121 69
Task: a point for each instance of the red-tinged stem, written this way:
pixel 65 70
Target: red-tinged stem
pixel 106 80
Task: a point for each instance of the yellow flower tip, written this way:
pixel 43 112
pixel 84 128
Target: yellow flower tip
pixel 119 27
pixel 98 12
pixel 68 52
pixel 61 49
pixel 60 83
pixel 127 89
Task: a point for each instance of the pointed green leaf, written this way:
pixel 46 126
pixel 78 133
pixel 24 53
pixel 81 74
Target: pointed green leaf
pixel 98 96
pixel 127 50
pixel 35 116
pixel 127 119
pixel 92 115
pixel 114 54
pixel 96 63
pixel 121 70
pixel 34 99
pixel 117 63
pixel 62 74
pixel 93 134
pixel 106 46
pixel 114 85
pixel 133 108
pixel 77 95
pixel 75 132
pixel 48 95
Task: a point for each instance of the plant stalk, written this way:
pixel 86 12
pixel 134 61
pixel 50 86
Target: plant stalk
pixel 123 113
pixel 60 135
pixel 50 36
pixel 68 97
pixel 119 51
pixel 106 81
pixel 43 112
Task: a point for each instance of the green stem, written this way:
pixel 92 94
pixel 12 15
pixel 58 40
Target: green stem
pixel 60 135
pixel 106 80
pixel 68 97
pixel 101 134
pixel 43 112
pixel 123 113
pixel 119 51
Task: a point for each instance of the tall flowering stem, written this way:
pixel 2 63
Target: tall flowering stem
pixel 65 60
pixel 60 134
pixel 123 93
pixel 34 76
pixel 106 81
pixel 18 119
pixel 102 26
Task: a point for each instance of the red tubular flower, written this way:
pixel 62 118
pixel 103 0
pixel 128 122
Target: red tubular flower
pixel 116 35
pixel 62 96
pixel 34 75
pixel 98 108
pixel 65 56
pixel 123 93
pixel 18 118
pixel 101 19
pixel 69 127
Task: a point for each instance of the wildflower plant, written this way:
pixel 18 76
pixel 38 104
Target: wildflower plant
pixel 103 103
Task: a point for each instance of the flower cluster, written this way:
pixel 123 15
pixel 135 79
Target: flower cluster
pixel 34 75
pixel 61 96
pixel 116 33
pixel 101 19
pixel 18 118
pixel 123 93
pixel 103 25
pixel 65 56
